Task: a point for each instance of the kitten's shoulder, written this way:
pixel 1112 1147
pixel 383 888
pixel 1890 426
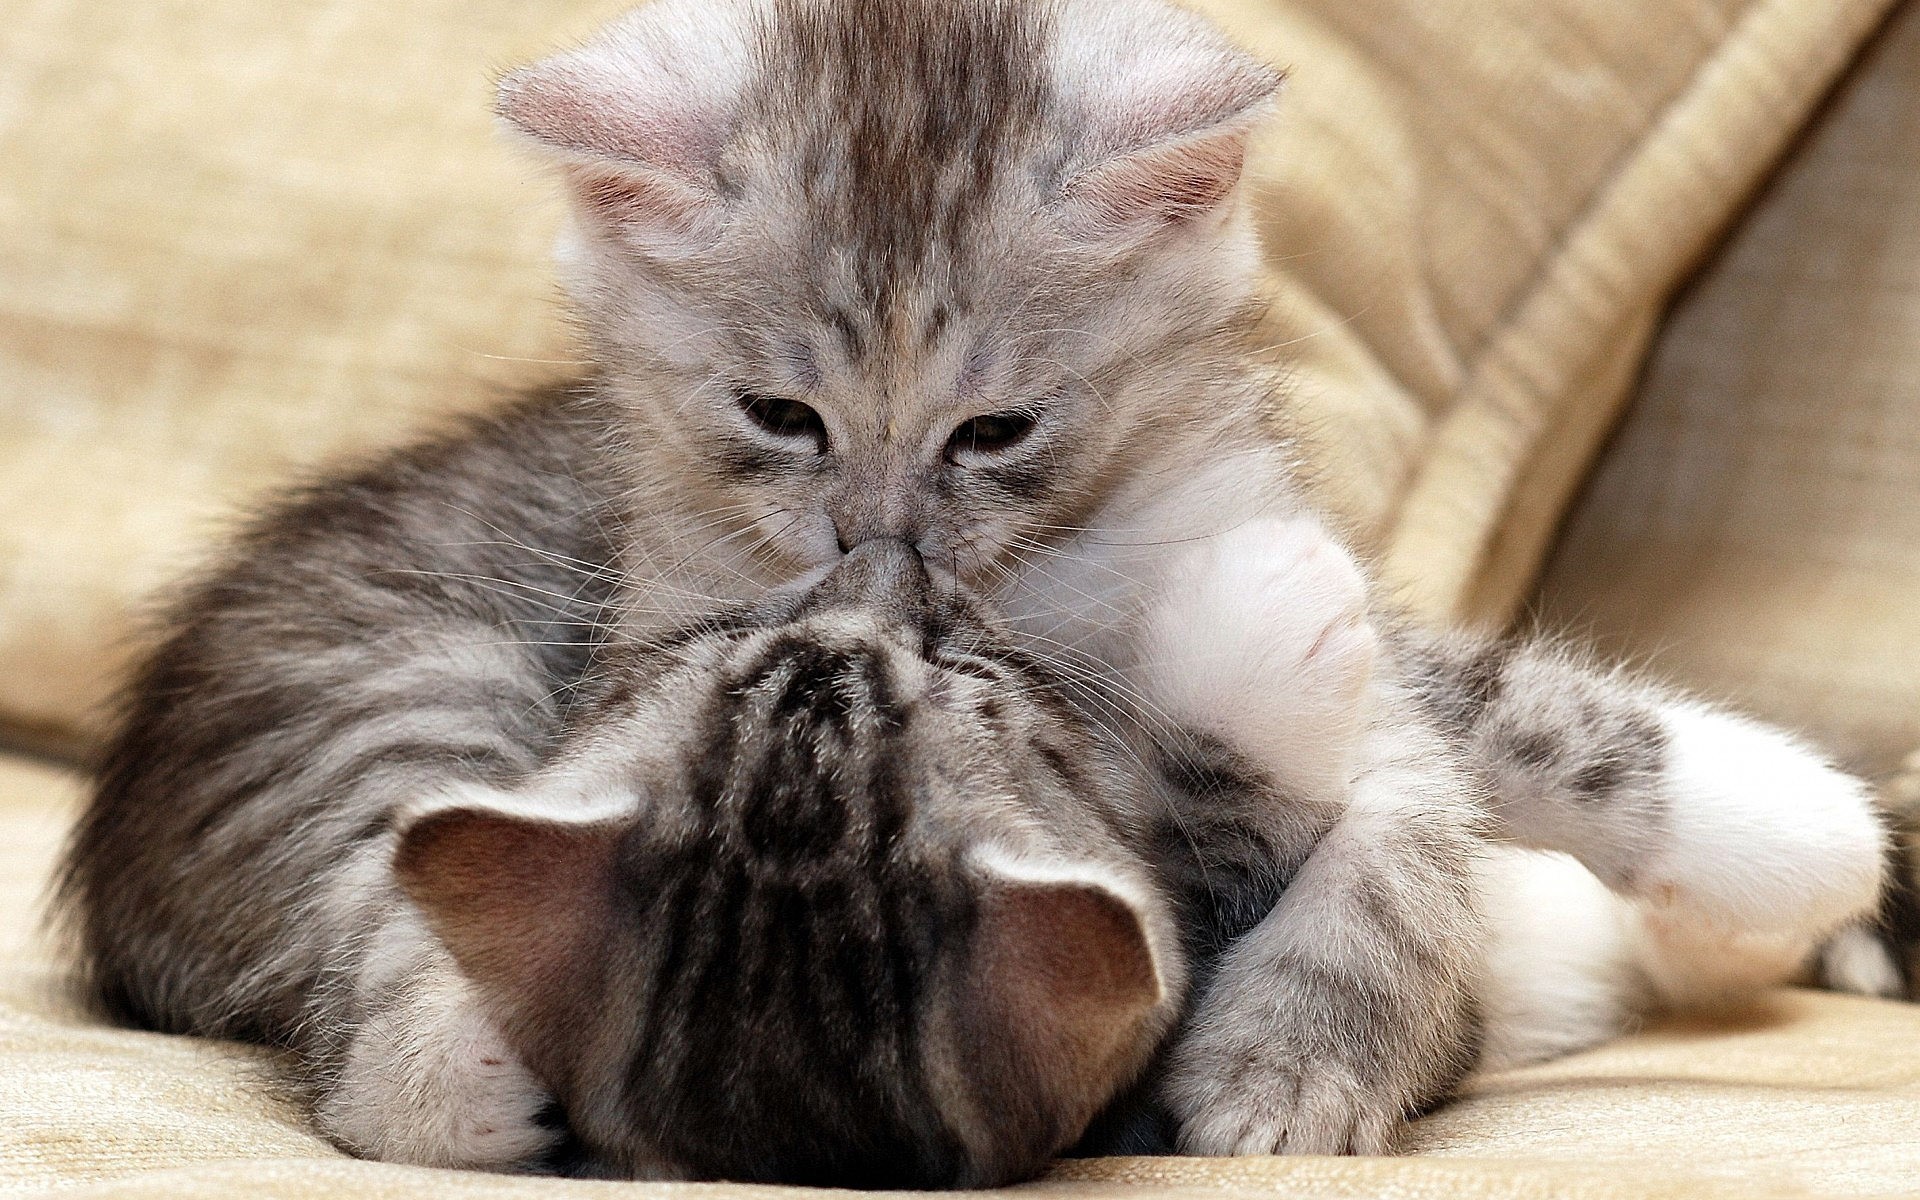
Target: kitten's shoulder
pixel 514 468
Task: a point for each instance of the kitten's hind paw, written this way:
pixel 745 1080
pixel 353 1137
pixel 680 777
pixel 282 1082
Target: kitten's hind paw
pixel 1761 833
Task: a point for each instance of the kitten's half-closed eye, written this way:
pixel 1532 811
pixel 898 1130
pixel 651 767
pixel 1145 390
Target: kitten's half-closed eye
pixel 786 419
pixel 991 434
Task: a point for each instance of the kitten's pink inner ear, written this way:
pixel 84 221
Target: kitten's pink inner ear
pixel 593 113
pixel 1163 185
pixel 1170 105
pixel 1070 964
pixel 642 203
pixel 637 118
pixel 517 900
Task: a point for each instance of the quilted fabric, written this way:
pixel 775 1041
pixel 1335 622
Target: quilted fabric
pixel 243 238
pixel 1756 527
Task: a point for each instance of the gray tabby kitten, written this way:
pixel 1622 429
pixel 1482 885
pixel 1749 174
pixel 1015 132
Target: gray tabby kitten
pixel 840 890
pixel 969 275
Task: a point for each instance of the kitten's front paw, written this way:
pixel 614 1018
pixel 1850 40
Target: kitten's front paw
pixel 432 1083
pixel 1246 1099
pixel 1263 637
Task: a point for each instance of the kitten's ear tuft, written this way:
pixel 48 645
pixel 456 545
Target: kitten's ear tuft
pixel 1069 964
pixel 638 116
pixel 520 901
pixel 1171 106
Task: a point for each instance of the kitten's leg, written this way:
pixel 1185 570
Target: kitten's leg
pixel 1350 1006
pixel 1559 973
pixel 1571 963
pixel 1708 817
pixel 424 1076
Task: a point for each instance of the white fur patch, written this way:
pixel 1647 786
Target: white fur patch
pixel 1856 961
pixel 1762 832
pixel 1261 638
pixel 1558 968
pixel 431 1082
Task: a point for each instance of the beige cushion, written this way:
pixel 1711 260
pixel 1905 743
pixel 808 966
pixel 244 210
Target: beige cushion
pixel 1805 1095
pixel 1756 526
pixel 242 237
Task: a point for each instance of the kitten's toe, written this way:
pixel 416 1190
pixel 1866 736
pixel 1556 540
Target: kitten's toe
pixel 432 1083
pixel 1295 1112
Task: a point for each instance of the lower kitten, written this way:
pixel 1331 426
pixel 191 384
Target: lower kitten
pixel 836 892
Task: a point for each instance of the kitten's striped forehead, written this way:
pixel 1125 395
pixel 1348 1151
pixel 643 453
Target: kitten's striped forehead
pixel 798 941
pixel 906 114
pixel 799 763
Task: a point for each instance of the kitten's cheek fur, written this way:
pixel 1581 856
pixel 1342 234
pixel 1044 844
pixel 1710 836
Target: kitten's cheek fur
pixel 1763 834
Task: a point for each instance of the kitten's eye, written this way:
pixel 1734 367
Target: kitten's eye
pixel 785 418
pixel 990 434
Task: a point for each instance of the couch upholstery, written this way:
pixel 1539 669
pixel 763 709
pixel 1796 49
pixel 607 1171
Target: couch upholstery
pixel 1758 518
pixel 242 239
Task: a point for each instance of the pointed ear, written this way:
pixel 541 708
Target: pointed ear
pixel 1181 182
pixel 637 117
pixel 518 900
pixel 1171 104
pixel 1068 965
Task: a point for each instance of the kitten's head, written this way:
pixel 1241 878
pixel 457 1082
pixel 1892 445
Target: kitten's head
pixel 936 270
pixel 857 909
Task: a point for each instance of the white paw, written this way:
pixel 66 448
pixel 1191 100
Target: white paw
pixel 1272 1104
pixel 1262 638
pixel 1856 961
pixel 1763 834
pixel 431 1082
